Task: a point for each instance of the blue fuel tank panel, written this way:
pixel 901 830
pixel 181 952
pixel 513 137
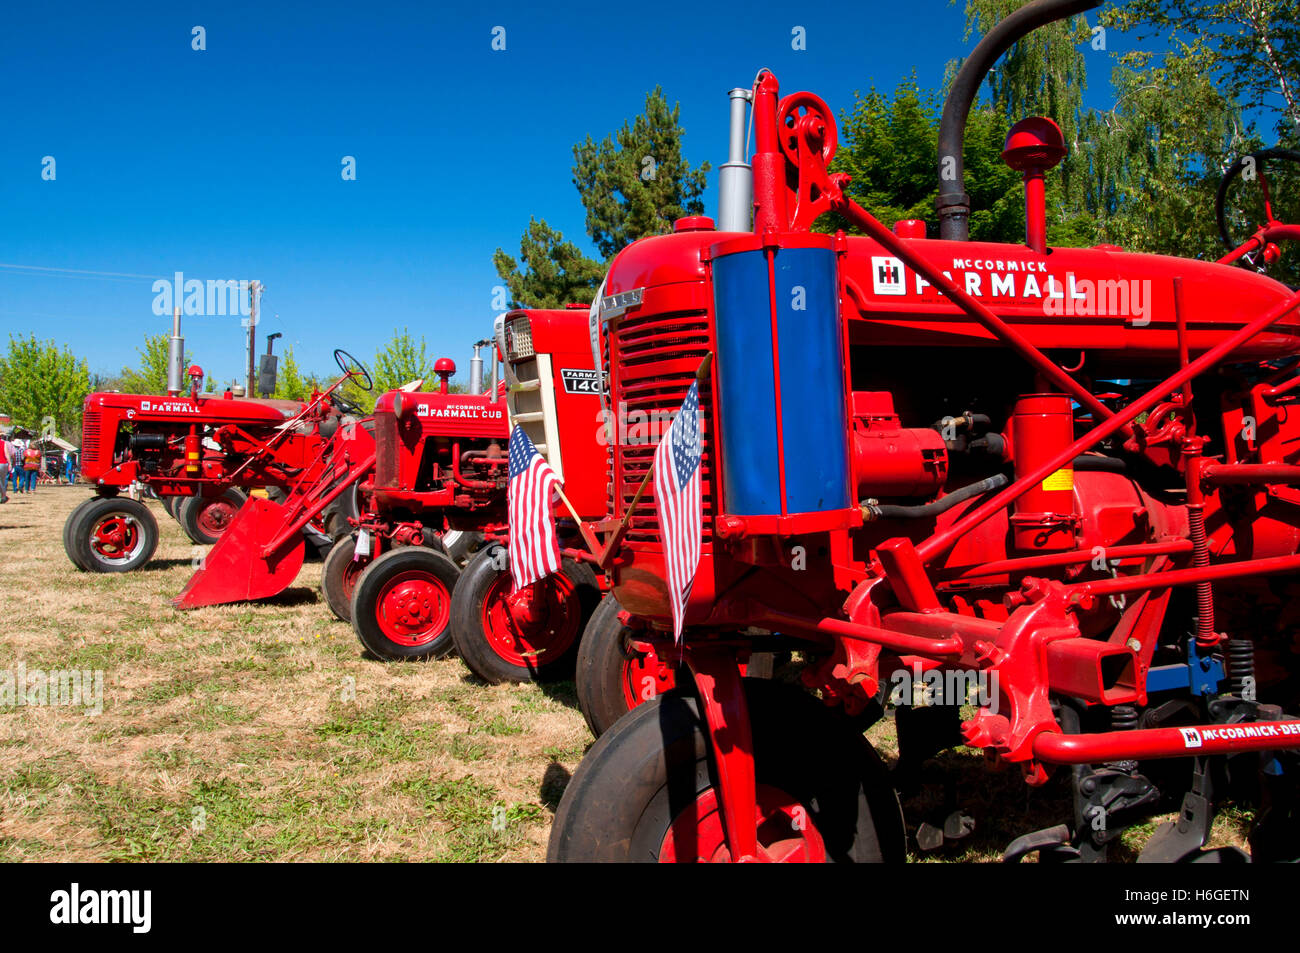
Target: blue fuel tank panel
pixel 781 381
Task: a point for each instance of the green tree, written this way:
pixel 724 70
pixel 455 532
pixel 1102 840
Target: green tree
pixel 40 383
pixel 1253 48
pixel 888 145
pixel 288 382
pixel 550 272
pixel 400 361
pixel 151 376
pixel 1157 155
pixel 633 183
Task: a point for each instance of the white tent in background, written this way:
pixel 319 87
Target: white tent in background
pixel 47 443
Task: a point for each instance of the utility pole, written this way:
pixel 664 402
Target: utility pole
pixel 254 292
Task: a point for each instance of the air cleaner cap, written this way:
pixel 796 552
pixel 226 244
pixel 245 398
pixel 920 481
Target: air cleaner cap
pixel 694 223
pixel 1035 143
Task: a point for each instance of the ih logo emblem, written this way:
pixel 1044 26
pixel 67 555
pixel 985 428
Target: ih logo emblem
pixel 1191 737
pixel 887 275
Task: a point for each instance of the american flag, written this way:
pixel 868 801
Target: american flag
pixel 677 495
pixel 534 547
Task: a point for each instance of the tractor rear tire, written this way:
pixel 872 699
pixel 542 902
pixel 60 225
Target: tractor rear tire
pixel 71 532
pixel 339 575
pixel 646 790
pixel 114 534
pixel 401 606
pixel 494 647
pixel 205 518
pixel 612 678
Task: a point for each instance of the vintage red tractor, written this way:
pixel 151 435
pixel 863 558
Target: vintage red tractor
pixel 201 454
pixel 1065 476
pixel 429 497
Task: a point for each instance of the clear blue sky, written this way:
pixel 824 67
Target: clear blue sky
pixel 226 163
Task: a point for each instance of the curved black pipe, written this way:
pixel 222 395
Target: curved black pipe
pixel 953 203
pixel 888 511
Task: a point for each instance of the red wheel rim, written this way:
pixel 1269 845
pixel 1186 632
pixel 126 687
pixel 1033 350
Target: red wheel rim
pixel 215 515
pixel 413 608
pixel 786 833
pixel 645 677
pixel 549 629
pixel 351 573
pixel 115 538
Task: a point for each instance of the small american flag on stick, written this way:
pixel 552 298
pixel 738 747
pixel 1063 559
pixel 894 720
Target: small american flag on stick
pixel 534 546
pixel 677 495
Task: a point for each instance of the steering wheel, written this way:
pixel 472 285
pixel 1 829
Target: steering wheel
pixel 1242 217
pixel 350 365
pixel 346 406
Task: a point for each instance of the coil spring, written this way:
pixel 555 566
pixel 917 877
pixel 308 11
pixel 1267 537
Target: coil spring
pixel 1241 664
pixel 1123 718
pixel 1205 635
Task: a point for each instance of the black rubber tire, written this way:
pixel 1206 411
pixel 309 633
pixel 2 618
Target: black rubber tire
pixel 338 596
pixel 467 620
pixel 188 514
pixel 98 511
pixel 599 673
pixel 371 583
pixel 653 764
pixel 71 532
pixel 462 545
pixel 170 504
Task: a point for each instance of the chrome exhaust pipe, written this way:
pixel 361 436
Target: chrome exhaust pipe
pixel 736 176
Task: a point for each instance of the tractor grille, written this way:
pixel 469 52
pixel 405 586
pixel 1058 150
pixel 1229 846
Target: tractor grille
pixel 90 435
pixel 387 448
pixel 519 339
pixel 657 358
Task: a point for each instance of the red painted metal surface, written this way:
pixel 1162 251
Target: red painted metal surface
pixel 1058 584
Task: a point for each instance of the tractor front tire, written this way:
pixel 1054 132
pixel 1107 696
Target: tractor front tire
pixel 114 534
pixel 401 606
pixel 72 532
pixel 205 518
pixel 491 641
pixel 611 676
pixel 646 791
pixel 339 575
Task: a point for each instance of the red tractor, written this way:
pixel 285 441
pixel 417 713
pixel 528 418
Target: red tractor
pixel 1066 478
pixel 201 454
pixel 430 496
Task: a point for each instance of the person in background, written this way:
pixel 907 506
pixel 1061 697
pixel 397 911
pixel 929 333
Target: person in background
pixel 16 463
pixel 72 466
pixel 31 467
pixel 4 469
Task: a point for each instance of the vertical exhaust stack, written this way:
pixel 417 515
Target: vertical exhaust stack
pixel 476 368
pixel 736 177
pixel 176 357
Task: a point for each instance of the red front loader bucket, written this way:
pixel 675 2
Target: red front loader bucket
pixel 237 568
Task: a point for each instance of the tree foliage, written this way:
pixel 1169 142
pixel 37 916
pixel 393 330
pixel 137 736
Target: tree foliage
pixel 39 383
pixel 151 376
pixel 1253 48
pixel 633 183
pixel 289 383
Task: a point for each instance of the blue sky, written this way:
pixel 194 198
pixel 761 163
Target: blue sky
pixel 226 163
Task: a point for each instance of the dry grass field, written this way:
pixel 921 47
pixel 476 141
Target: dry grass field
pixel 260 732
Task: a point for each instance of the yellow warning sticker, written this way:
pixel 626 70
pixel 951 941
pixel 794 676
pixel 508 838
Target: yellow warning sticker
pixel 1060 480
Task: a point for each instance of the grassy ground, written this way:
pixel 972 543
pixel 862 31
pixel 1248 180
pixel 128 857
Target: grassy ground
pixel 259 732
pixel 253 731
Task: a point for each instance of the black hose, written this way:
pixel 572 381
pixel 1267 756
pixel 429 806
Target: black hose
pixel 1089 461
pixel 876 511
pixel 953 203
